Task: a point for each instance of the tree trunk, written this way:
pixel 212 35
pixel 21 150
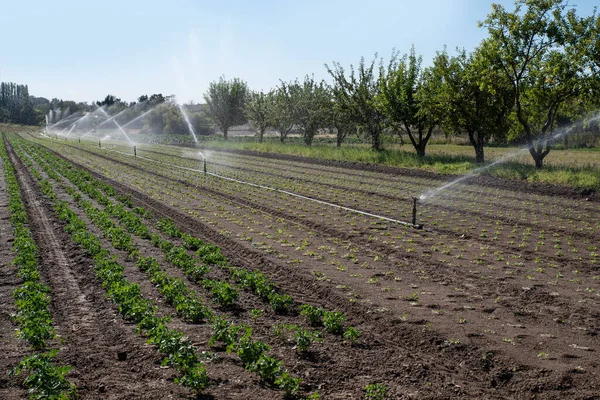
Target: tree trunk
pixel 479 155
pixel 539 154
pixel 308 137
pixel 420 150
pixel 281 137
pixel 421 144
pixel 225 133
pixel 376 140
pixel 261 133
pixel 477 141
pixel 341 135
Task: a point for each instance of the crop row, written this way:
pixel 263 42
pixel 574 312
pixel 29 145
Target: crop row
pixel 547 247
pixel 469 218
pixel 32 299
pixel 208 254
pixel 177 294
pixel 178 350
pixel 294 176
pixel 476 205
pixel 211 255
pixel 532 256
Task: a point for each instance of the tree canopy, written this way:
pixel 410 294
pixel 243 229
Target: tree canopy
pixel 226 101
pixel 355 94
pixel 537 49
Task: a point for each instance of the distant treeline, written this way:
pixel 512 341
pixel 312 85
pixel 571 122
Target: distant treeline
pixel 163 115
pixel 16 105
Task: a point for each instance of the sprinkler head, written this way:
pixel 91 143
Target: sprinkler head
pixel 134 152
pixel 414 213
pixel 205 166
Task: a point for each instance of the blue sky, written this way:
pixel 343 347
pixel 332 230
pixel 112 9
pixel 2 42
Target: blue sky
pixel 82 50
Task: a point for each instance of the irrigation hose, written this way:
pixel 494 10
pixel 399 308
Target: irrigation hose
pixel 333 205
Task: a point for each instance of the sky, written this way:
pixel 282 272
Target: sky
pixel 84 50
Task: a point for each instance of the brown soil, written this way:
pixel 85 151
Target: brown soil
pixel 13 350
pixel 91 331
pixel 435 325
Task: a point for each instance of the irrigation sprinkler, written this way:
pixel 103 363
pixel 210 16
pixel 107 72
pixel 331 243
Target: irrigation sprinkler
pixel 100 143
pixel 414 214
pixel 134 151
pixel 79 140
pixel 204 163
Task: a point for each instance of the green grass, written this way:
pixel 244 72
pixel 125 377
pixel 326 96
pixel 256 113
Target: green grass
pixel 575 168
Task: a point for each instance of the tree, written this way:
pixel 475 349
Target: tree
pixel 226 100
pixel 341 122
pixel 407 97
pixel 108 101
pixel 356 96
pixel 156 99
pixel 531 47
pixel 16 105
pixel 257 112
pixel 174 122
pixel 311 106
pixel 476 98
pixel 281 106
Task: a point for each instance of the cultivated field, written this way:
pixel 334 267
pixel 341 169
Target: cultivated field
pixel 245 292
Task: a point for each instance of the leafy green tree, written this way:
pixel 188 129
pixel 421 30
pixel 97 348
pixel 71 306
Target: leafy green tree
pixel 281 107
pixel 226 101
pixel 408 98
pixel 532 47
pixel 155 122
pixel 257 112
pixel 201 123
pixel 341 122
pixel 355 95
pixel 16 105
pixel 174 122
pixel 476 98
pixel 312 106
pixel 109 100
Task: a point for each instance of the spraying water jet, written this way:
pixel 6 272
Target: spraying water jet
pixel 432 193
pixel 115 122
pixel 187 121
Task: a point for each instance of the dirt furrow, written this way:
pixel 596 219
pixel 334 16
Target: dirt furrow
pixel 427 346
pixel 95 339
pixel 13 350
